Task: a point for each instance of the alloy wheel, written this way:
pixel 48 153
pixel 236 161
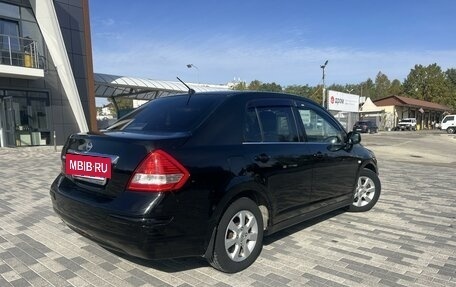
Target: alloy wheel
pixel 365 191
pixel 241 235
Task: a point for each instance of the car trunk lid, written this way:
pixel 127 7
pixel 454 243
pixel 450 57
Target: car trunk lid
pixel 103 163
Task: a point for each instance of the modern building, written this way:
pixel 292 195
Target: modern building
pixel 47 83
pixel 46 71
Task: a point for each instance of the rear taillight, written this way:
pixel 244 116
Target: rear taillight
pixel 158 172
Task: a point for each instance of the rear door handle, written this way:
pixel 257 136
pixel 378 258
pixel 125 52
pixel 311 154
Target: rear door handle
pixel 262 158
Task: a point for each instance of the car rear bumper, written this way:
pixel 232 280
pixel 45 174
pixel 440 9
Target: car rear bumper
pixel 133 234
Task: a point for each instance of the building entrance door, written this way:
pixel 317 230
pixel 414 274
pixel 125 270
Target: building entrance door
pixel 9 124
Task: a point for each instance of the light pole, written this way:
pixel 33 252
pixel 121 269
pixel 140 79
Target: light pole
pixel 197 71
pixel 324 87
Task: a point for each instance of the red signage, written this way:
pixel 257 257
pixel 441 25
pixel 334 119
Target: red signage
pixel 84 165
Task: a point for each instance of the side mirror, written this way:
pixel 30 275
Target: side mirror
pixel 353 138
pixel 335 143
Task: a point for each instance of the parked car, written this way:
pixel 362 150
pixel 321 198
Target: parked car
pixel 449 124
pixel 365 127
pixel 210 174
pixel 407 124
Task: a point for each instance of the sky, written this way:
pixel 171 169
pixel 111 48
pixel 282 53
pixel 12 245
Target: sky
pixel 285 42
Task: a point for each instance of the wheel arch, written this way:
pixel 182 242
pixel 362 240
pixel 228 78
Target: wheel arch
pixel 251 190
pixel 370 165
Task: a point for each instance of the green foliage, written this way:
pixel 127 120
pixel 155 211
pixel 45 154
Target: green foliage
pixel 367 89
pixel 254 85
pixel 241 86
pixel 451 77
pixel 450 100
pixel 382 85
pixel 426 83
pixel 313 93
pixel 395 88
pixel 122 104
pixel 270 87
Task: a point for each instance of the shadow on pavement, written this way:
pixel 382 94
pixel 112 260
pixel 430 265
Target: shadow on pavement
pixel 183 264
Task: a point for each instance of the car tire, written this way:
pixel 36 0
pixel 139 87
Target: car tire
pixel 367 191
pixel 239 237
pixel 451 130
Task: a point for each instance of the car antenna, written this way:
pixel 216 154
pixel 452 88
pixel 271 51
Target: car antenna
pixel 190 90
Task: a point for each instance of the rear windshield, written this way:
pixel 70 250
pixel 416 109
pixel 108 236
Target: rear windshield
pixel 406 121
pixel 169 114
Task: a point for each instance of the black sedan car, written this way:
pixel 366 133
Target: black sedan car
pixel 365 127
pixel 210 175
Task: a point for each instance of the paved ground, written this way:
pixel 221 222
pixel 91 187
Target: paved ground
pixel 408 239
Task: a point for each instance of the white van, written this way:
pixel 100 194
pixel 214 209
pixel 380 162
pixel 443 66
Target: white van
pixel 449 124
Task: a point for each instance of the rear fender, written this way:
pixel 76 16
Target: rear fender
pixel 239 187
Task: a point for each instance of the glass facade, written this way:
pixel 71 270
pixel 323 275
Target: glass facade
pixel 36 110
pixel 25 118
pixel 24 114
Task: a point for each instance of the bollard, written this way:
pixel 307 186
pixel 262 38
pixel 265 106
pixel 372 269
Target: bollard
pixel 55 142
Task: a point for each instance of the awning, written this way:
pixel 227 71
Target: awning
pixel 108 86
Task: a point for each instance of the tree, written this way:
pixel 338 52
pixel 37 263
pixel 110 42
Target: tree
pixel 254 85
pixel 451 82
pixel 121 103
pixel 427 83
pixel 240 86
pixel 382 85
pixel 395 88
pixel 367 89
pixel 305 91
pixel 270 87
pixel 451 76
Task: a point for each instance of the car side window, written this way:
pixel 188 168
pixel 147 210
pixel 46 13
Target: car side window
pixel 317 128
pixel 270 124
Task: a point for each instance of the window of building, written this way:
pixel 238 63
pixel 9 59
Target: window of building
pixel 9 33
pixel 9 10
pixel 20 36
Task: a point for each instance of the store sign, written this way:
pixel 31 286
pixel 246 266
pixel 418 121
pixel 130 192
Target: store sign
pixel 343 102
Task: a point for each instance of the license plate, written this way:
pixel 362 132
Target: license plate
pixel 89 166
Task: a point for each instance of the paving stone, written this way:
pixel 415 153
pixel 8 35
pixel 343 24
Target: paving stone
pixel 408 239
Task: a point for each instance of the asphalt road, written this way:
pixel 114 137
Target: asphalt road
pixel 408 239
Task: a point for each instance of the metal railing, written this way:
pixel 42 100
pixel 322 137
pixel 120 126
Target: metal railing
pixel 18 51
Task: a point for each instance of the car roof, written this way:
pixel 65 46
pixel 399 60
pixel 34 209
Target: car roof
pixel 252 95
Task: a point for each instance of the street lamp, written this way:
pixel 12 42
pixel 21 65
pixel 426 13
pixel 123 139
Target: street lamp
pixel 324 87
pixel 197 70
